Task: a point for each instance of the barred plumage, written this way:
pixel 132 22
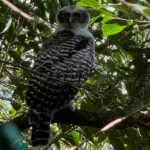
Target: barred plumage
pixel 67 56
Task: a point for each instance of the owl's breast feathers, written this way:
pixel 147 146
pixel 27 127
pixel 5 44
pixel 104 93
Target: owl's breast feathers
pixel 65 57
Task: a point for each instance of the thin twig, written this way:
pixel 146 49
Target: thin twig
pixel 135 9
pixel 74 85
pixel 16 9
pixel 7 99
pixel 7 50
pixel 137 21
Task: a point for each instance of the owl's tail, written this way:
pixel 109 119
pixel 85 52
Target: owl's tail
pixel 40 129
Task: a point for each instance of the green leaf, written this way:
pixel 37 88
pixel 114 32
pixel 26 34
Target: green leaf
pixel 82 4
pixel 7 26
pixel 130 144
pixel 106 18
pixel 26 64
pixel 72 2
pixel 101 137
pixel 45 28
pixel 29 26
pixel 40 5
pixel 129 57
pixel 144 143
pixel 103 11
pixel 120 38
pixel 16 106
pixel 32 34
pixel 86 105
pixel 75 136
pixel 91 3
pixel 35 46
pixel 133 133
pixel 22 37
pixel 122 8
pixel 57 143
pixel 64 3
pixel 26 46
pixel 88 131
pixel 101 48
pixel 110 29
pixel 46 1
pixel 7 12
pixel 97 34
pixel 144 132
pixel 147 11
pixel 70 139
pixel 19 92
pixel 2 25
pixel 109 20
pixel 4 105
pixel 15 55
pixel 65 127
pixel 95 18
pixel 115 140
pixel 12 113
pixel 53 9
pixel 111 65
pixel 3 7
pixel 37 13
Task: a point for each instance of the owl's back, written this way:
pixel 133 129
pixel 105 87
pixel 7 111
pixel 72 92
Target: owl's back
pixel 68 59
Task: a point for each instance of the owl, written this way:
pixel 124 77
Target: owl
pixel 63 64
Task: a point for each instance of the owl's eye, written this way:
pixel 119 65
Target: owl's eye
pixel 64 15
pixel 79 16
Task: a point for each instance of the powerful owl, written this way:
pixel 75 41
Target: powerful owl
pixel 63 64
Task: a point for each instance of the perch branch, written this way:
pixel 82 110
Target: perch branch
pixel 84 118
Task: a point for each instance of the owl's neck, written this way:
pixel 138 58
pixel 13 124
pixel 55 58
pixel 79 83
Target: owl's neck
pixel 76 31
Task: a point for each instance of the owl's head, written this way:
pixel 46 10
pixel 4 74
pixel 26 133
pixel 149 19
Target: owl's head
pixel 73 18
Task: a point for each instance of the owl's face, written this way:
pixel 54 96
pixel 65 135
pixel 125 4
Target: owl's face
pixel 73 17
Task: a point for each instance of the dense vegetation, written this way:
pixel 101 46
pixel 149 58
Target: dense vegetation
pixel 118 86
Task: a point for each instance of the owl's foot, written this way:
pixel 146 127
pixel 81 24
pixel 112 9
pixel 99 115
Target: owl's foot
pixel 71 106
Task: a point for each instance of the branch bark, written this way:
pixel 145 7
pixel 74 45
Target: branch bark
pixel 84 118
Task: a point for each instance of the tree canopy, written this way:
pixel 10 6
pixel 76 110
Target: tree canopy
pixel 118 86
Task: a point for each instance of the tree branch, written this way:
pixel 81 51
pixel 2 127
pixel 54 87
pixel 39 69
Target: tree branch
pixel 16 9
pixel 84 118
pixel 132 6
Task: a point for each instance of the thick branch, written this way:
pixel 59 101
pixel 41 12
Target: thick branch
pixel 84 118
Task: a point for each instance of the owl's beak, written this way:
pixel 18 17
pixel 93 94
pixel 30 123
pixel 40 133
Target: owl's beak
pixel 70 22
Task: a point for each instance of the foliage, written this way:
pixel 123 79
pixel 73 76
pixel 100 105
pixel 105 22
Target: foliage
pixel 122 44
